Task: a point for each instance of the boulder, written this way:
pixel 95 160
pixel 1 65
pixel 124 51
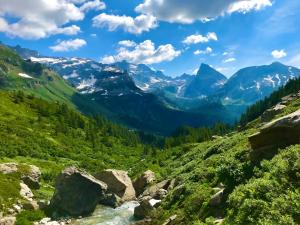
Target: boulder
pixel 77 193
pixel 26 192
pixel 279 133
pixel 8 168
pixel 141 182
pixel 10 220
pixel 271 113
pixel 217 198
pixel 111 200
pixel 144 209
pixel 32 177
pixel 159 190
pixel 170 220
pixel 118 182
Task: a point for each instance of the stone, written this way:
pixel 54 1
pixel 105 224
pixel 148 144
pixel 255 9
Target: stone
pixel 271 113
pixel 217 198
pixel 144 209
pixel 279 133
pixel 30 205
pixel 219 221
pixel 8 168
pixel 118 182
pixel 158 190
pixel 170 220
pixel 17 208
pixel 77 193
pixel 111 200
pixel 9 220
pixel 32 178
pixel 26 192
pixel 143 181
pixel 43 204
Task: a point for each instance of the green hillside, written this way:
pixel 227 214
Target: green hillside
pixel 38 80
pixel 259 189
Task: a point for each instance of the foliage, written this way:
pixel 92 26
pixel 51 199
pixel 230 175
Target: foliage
pixel 36 128
pixel 187 134
pixel 257 109
pixel 27 217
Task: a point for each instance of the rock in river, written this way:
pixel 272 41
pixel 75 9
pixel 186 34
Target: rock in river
pixel 77 193
pixel 118 182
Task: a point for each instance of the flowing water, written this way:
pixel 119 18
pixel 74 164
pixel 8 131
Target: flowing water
pixel 122 215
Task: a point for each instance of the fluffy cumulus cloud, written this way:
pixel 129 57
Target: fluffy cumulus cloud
pixel 144 52
pixel 69 45
pixel 208 50
pixel 278 54
pixel 129 24
pixel 198 38
pixel 188 11
pixel 35 19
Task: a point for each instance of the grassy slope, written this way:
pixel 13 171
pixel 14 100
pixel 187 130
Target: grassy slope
pixel 31 137
pixel 258 191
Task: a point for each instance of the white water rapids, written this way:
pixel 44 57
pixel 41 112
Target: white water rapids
pixel 122 215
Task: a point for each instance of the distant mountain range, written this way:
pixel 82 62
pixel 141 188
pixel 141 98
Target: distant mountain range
pixel 147 99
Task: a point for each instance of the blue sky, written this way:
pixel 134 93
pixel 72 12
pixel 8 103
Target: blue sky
pixel 170 35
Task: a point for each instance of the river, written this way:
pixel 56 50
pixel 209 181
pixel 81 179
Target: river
pixel 122 215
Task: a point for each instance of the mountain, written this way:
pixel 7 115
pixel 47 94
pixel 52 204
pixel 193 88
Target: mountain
pixel 251 84
pixel 33 78
pixel 206 82
pixel 113 88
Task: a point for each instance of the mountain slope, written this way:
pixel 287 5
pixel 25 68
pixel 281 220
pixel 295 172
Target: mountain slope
pixel 251 84
pixel 225 181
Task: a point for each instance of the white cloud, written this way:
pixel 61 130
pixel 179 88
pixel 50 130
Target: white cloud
pixel 93 5
pixel 229 60
pixel 188 11
pixel 145 53
pixel 208 50
pixel 198 38
pixel 247 6
pixel 129 24
pixel 35 19
pixel 70 45
pixel 93 35
pixel 278 54
pixel 127 43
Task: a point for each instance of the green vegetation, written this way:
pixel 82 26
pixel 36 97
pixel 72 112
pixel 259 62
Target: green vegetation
pixel 28 217
pixel 32 127
pixel 39 125
pixel 257 109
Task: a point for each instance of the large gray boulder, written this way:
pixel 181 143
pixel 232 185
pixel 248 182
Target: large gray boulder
pixel 279 133
pixel 77 193
pixel 143 181
pixel 118 183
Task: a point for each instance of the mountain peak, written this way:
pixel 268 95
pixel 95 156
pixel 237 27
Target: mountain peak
pixel 206 70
